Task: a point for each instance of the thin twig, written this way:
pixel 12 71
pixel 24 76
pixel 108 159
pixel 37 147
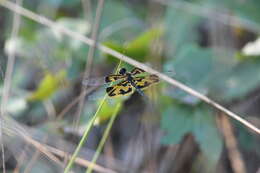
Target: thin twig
pixel 49 23
pixel 90 56
pixel 34 158
pixel 73 103
pixel 234 155
pixel 8 79
pixel 42 149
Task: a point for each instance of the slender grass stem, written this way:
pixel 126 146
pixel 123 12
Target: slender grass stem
pixel 84 137
pixel 104 138
pixel 86 133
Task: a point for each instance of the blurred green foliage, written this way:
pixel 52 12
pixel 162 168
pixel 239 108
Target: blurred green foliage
pixel 138 48
pixel 222 76
pixel 48 86
pixel 106 112
pixel 180 119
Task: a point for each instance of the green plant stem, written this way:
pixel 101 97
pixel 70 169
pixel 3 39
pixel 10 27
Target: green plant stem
pixel 104 138
pixel 84 137
pixel 86 133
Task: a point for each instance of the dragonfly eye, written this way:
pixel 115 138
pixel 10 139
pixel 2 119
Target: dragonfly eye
pixel 122 71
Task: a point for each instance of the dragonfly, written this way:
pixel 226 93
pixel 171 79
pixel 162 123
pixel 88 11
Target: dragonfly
pixel 128 82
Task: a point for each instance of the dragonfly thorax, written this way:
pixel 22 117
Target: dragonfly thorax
pixel 129 77
pixel 122 71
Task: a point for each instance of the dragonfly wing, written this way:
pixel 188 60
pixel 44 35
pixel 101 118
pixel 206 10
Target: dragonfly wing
pixel 136 71
pixel 122 88
pixel 97 94
pixel 94 81
pixel 145 81
pixel 103 80
pixel 114 77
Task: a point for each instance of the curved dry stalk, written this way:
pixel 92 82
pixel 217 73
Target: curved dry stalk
pixel 41 148
pixel 52 153
pixel 49 151
pixel 40 19
pixel 80 161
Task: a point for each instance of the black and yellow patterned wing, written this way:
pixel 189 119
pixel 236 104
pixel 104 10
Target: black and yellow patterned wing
pixel 136 71
pixel 114 77
pixel 120 89
pixel 145 81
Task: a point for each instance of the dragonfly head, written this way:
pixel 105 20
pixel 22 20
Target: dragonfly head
pixel 122 71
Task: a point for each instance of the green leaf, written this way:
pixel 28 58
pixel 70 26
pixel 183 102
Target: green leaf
pixel 113 12
pixel 206 133
pixel 193 66
pixel 238 81
pixel 246 140
pixel 177 121
pixel 180 119
pixel 107 110
pixel 139 47
pixel 115 46
pixel 48 86
pixel 180 29
pixel 243 9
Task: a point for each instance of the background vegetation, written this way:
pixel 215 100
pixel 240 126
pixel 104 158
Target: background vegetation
pixel 46 110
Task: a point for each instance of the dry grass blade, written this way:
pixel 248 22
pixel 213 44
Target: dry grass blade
pixel 33 160
pixel 80 161
pixel 49 23
pixel 52 153
pixel 42 149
